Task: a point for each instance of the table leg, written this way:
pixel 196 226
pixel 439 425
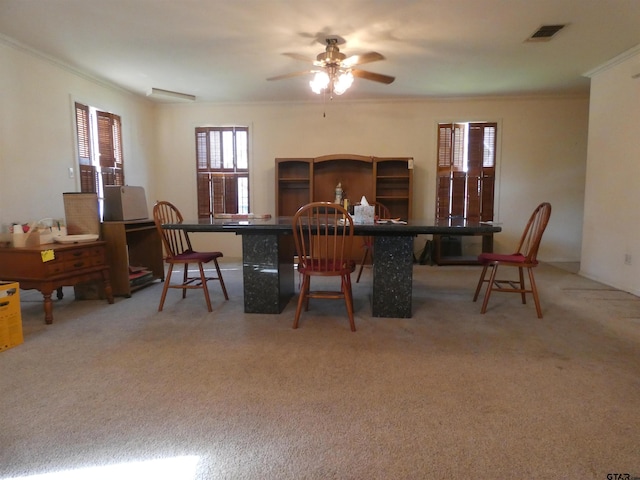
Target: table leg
pixel 108 291
pixel 392 276
pixel 267 271
pixel 48 306
pixel 59 293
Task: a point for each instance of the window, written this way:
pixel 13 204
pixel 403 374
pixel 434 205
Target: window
pixel 466 170
pixel 99 149
pixel 222 165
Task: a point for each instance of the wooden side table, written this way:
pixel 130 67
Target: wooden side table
pixel 51 266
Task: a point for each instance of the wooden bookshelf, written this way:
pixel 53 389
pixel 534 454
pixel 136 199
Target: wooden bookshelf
pixel 133 243
pixel 388 180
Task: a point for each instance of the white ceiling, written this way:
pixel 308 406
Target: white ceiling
pixel 223 51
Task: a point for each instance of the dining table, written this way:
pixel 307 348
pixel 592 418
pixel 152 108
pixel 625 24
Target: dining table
pixel 268 255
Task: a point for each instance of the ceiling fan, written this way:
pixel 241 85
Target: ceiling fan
pixel 333 70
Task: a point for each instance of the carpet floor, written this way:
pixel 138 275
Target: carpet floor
pixel 124 391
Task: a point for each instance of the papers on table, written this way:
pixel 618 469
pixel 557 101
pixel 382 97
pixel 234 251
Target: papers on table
pixel 391 220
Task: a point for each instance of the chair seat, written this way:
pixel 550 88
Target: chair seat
pixel 191 256
pixel 327 267
pixel 498 257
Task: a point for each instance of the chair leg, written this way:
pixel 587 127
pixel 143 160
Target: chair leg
pixel 480 282
pixel 203 279
pixel 348 300
pixel 487 294
pixel 534 291
pixel 364 259
pixel 167 281
pixel 302 299
pixel 185 279
pixel 523 291
pixel 224 289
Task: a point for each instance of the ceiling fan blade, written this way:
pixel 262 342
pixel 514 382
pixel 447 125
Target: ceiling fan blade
pixel 291 75
pixel 298 56
pixel 360 59
pixel 376 77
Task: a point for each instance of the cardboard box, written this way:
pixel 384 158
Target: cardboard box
pixel 81 213
pixel 124 203
pixel 10 316
pixel 25 240
pixel 33 239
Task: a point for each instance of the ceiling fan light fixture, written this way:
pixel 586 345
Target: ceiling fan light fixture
pixel 320 82
pixel 344 81
pixel 335 81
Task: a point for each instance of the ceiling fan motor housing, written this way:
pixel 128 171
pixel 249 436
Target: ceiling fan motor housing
pixel 332 55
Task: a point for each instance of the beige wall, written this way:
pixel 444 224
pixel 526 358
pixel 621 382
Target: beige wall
pixel 612 217
pixel 542 151
pixel 542 147
pixel 37 134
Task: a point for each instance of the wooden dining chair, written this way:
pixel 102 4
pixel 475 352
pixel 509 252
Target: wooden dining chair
pixel 525 257
pixel 380 211
pixel 178 251
pixel 323 234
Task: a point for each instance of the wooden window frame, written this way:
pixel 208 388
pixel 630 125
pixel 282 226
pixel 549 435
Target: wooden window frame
pixel 104 166
pixel 466 192
pixel 218 171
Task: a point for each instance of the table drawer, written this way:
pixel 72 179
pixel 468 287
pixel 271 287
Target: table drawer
pixel 73 260
pixel 53 267
pixel 80 263
pixel 72 255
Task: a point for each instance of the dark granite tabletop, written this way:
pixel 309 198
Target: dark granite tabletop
pixel 282 225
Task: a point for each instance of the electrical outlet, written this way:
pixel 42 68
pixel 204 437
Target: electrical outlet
pixel 71 174
pixel 627 259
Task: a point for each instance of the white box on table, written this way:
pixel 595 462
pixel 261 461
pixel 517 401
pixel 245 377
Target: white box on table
pixel 364 214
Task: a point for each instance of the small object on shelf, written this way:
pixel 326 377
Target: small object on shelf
pixel 339 193
pixel 133 270
pixel 141 277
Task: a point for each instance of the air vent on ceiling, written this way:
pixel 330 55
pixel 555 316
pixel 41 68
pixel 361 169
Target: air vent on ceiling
pixel 545 33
